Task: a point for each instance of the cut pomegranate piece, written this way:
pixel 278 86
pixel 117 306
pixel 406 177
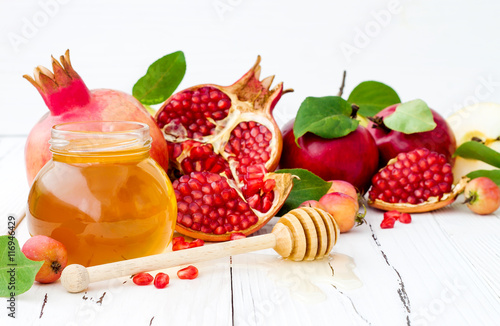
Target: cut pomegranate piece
pixel 417 181
pixel 222 141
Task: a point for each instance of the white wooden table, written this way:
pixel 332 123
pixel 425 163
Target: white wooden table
pixel 442 269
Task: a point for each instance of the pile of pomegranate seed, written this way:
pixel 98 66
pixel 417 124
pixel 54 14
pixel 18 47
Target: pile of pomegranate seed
pixel 179 243
pixel 413 178
pixel 391 217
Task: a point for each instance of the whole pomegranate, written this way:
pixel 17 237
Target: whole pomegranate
pixel 352 158
pixel 390 142
pixel 68 99
pixel 222 141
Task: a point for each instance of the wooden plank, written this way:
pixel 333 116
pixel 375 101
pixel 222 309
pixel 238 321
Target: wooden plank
pixel 412 275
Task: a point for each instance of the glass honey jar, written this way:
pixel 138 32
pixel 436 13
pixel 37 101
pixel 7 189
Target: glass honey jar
pixel 102 195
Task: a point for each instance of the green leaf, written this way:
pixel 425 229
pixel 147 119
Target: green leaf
pixel 372 97
pixel 478 151
pixel 411 117
pixel 17 273
pixel 161 79
pixel 308 187
pixel 494 175
pixel 327 117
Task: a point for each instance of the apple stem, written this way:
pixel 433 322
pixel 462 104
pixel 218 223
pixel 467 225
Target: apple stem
pixel 471 199
pixel 341 89
pixel 378 122
pixel 360 217
pixel 355 110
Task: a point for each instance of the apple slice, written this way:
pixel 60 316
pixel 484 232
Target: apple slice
pixel 480 121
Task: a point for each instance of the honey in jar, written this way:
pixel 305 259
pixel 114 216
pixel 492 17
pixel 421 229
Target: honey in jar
pixel 102 195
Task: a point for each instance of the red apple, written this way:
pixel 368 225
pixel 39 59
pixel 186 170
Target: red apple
pixel 482 196
pixel 352 158
pixel 390 143
pixel 52 252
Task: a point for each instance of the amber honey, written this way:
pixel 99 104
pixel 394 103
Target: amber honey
pixel 102 195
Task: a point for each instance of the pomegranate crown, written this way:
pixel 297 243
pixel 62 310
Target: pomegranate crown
pixel 250 88
pixel 62 88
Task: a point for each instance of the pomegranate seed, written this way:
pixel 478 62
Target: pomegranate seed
pixel 196 243
pixel 161 280
pixel 142 279
pixel 177 240
pixel 388 223
pixel 405 218
pixel 237 235
pixel 188 273
pixel 392 214
pixel 180 246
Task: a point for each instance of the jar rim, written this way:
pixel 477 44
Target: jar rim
pixel 99 136
pixel 96 126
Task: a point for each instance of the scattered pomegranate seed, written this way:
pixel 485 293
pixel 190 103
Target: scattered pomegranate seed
pixel 177 240
pixel 388 223
pixel 142 279
pixel 392 214
pixel 196 243
pixel 237 235
pixel 405 218
pixel 180 246
pixel 161 280
pixel 188 273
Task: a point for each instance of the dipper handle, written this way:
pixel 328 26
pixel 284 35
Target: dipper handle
pixel 76 278
pixel 302 234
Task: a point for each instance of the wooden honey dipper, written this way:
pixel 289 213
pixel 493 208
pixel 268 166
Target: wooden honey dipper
pixel 305 233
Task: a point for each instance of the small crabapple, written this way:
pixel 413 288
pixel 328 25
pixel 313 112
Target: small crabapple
pixel 52 252
pixel 343 187
pixel 482 196
pixel 343 208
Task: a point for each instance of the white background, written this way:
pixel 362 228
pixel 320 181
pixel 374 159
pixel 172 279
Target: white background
pixel 444 52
